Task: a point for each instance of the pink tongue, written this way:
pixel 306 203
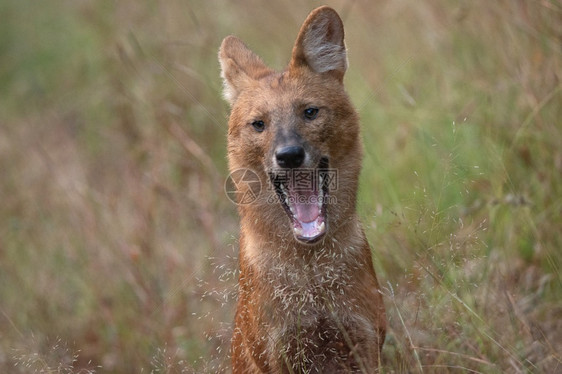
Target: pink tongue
pixel 306 205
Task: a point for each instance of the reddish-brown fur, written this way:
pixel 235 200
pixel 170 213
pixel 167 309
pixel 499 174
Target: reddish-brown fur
pixel 303 307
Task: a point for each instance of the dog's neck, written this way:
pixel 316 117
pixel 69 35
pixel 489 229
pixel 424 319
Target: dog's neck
pixel 266 248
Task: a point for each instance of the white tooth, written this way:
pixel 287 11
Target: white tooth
pixel 297 231
pixel 322 227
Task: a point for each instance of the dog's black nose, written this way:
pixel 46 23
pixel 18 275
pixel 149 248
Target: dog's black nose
pixel 290 157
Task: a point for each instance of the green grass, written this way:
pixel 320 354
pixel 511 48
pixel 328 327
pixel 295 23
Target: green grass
pixel 118 246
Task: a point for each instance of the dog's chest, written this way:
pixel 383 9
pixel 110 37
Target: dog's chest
pixel 309 287
pixel 315 299
pixel 318 321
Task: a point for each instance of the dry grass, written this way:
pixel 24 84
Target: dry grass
pixel 118 245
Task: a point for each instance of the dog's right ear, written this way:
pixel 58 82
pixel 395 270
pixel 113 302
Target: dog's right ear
pixel 240 67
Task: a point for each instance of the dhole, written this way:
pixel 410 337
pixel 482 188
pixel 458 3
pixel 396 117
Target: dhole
pixel 309 300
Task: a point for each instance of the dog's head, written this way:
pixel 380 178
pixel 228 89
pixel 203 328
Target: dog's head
pixel 296 129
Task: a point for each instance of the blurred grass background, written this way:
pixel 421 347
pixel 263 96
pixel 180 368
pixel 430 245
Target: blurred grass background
pixel 118 246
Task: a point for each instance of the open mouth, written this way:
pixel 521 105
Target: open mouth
pixel 303 194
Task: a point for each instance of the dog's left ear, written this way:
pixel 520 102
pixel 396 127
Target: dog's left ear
pixel 320 45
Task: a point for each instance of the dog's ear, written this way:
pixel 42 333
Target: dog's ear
pixel 320 45
pixel 239 67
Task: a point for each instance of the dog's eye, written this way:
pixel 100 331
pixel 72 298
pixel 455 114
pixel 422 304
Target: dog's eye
pixel 310 113
pixel 259 125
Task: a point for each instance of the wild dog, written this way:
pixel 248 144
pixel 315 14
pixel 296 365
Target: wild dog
pixel 309 300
